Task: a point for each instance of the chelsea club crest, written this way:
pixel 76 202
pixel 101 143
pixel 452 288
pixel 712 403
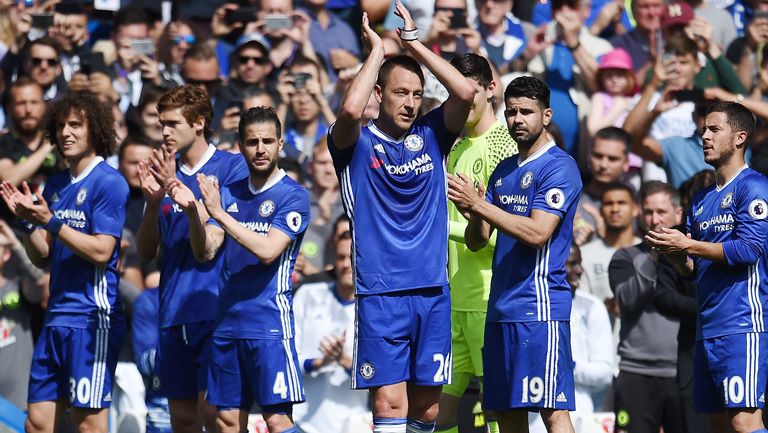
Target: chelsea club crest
pixel 414 143
pixel 526 180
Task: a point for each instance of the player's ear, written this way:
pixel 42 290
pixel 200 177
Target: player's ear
pixel 490 91
pixel 377 91
pixel 547 116
pixel 740 139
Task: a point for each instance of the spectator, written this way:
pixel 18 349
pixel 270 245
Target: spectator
pixel 174 43
pixel 288 42
pixel 132 151
pixel 309 109
pixel 131 69
pixel 325 202
pixel 24 153
pixel 744 51
pixel 143 121
pixel 70 30
pixel 610 104
pixel 618 210
pixel 608 163
pixel 18 297
pixel 43 64
pixel 724 29
pixel 641 43
pixel 325 319
pixel 503 36
pixel 334 40
pixel 646 394
pixel 449 36
pixel 567 63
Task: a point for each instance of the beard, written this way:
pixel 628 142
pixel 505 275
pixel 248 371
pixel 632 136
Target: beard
pixel 262 172
pixel 723 158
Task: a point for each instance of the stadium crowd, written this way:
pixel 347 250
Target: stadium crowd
pixel 630 84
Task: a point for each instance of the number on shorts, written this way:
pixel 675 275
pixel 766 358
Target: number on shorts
pixel 279 386
pixel 443 372
pixel 533 388
pixel 81 390
pixel 734 389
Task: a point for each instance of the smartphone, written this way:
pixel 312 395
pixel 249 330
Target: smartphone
pixel 242 15
pixel 93 62
pixel 143 47
pixel 278 22
pixel 42 21
pixel 550 32
pixel 235 103
pixel 694 95
pixel 300 79
pixel 458 19
pixel 65 8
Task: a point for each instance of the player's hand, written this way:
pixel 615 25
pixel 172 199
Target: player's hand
pixel 150 188
pixel 163 165
pixel 181 194
pixel 34 211
pixel 463 192
pixel 669 241
pixel 402 12
pixel 371 39
pixel 209 189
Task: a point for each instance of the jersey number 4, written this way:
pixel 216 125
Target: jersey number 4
pixel 279 387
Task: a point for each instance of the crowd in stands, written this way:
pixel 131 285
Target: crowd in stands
pixel 630 83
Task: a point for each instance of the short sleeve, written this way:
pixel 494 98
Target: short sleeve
pixel 751 225
pixel 559 189
pixel 341 157
pixel 108 214
pixel 435 120
pixel 292 217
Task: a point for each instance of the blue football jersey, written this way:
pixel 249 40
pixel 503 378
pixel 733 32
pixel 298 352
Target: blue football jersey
pixel 733 296
pixel 83 294
pixel 255 299
pixel 529 284
pixel 394 192
pixel 188 288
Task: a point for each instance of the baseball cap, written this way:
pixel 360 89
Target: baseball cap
pixel 676 13
pixel 616 59
pixel 253 37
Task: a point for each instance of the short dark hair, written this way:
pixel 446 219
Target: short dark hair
pixel 130 15
pixel 45 41
pixel 739 118
pixel 615 134
pixel 655 187
pixel 475 67
pixel 201 51
pixel 258 115
pixel 528 87
pixel 194 103
pixel 97 116
pixel 681 45
pixel 403 61
pixel 618 186
pixel 18 84
pixel 132 140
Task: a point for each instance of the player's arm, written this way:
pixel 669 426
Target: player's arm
pixel 205 239
pixel 148 235
pixel 533 231
pixel 461 91
pixel 346 130
pixel 37 245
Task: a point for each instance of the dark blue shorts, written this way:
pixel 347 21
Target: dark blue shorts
pixel 183 354
pixel 75 364
pixel 246 370
pixel 528 365
pixel 403 336
pixel 730 372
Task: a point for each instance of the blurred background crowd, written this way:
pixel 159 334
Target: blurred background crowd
pixel 630 82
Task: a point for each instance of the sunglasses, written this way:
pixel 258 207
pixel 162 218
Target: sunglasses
pixel 190 39
pixel 258 60
pixel 37 61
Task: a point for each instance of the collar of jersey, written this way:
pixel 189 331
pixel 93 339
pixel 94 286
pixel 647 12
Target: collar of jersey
pixel 87 170
pixel 720 188
pixel 550 144
pixel 270 183
pixel 204 160
pixel 381 134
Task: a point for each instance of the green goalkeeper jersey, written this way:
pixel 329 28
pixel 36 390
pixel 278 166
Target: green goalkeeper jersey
pixel 469 272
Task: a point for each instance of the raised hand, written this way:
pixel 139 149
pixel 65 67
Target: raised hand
pixel 402 12
pixel 370 38
pixel 209 189
pixel 181 194
pixel 35 211
pixel 151 190
pixel 163 165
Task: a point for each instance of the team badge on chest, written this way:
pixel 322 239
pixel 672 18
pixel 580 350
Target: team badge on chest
pixel 526 180
pixel 414 143
pixel 266 208
pixel 81 195
pixel 727 200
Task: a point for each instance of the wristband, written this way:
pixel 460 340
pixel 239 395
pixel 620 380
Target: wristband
pixel 409 35
pixel 575 47
pixel 54 226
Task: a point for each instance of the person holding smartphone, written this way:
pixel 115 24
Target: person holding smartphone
pixel 450 31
